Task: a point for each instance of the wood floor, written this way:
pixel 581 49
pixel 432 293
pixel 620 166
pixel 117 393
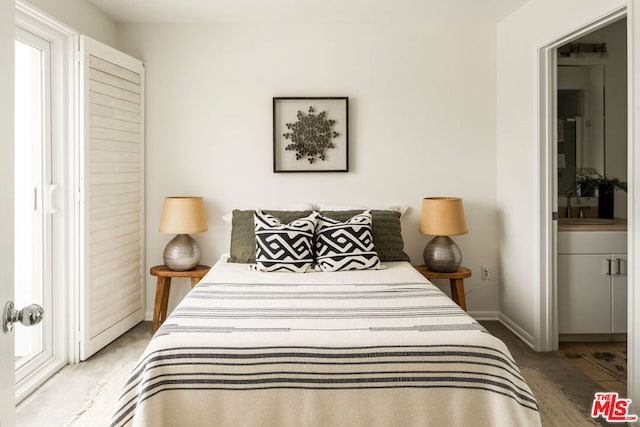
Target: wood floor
pixel 608 382
pixel 576 383
pixel 64 395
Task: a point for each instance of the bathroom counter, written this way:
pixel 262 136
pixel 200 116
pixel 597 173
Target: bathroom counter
pixel 592 224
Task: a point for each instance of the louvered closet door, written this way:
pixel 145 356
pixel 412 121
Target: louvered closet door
pixel 112 172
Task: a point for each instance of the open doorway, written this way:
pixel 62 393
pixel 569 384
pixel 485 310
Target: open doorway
pixel 591 158
pixel 611 264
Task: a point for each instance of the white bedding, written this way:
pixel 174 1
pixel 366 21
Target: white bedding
pixel 355 348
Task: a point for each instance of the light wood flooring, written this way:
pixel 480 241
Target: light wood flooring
pixel 607 381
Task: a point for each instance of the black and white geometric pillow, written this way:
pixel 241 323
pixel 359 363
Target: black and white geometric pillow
pixel 345 245
pixel 284 247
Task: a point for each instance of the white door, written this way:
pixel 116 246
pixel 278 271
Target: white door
pixel 7 392
pixel 112 211
pixel 7 372
pixel 619 294
pixel 43 203
pixel 33 197
pixel 7 377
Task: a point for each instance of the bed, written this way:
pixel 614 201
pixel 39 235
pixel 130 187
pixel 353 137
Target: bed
pixel 377 347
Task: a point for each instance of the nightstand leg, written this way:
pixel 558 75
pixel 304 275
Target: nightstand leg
pixel 457 292
pixel 157 304
pixel 165 300
pixel 194 281
pixel 162 299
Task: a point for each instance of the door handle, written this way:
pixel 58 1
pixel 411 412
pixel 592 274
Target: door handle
pixel 608 266
pixel 29 316
pixel 618 269
pixel 52 204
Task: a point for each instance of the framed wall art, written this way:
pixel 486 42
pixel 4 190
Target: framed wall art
pixel 311 134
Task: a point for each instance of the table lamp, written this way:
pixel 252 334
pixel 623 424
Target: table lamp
pixel 182 216
pixel 442 217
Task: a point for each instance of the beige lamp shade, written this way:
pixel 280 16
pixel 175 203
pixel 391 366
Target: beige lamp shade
pixel 443 216
pixel 183 215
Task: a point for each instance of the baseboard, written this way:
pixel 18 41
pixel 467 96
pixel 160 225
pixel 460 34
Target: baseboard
pixel 524 336
pixel 484 315
pixel 148 316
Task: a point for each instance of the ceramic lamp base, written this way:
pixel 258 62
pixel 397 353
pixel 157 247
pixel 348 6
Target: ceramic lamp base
pixel 442 255
pixel 182 253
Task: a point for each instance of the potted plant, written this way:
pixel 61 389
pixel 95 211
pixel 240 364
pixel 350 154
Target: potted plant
pixel 589 180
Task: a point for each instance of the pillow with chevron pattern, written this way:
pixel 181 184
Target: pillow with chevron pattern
pixel 345 245
pixel 386 231
pixel 243 232
pixel 284 247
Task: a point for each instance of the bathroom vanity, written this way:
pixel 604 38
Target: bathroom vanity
pixel 592 276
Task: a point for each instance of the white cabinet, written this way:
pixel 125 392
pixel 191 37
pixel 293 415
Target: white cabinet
pixel 619 295
pixel 592 282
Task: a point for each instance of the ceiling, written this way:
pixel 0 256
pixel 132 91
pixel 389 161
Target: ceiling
pixel 306 11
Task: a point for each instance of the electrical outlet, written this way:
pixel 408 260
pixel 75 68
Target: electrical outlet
pixel 485 273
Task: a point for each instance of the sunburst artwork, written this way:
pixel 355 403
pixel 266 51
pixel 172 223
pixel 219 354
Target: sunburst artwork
pixel 310 134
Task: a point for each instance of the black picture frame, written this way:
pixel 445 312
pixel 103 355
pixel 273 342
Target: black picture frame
pixel 322 120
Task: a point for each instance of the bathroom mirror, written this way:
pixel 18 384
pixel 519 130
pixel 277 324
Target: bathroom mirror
pixel 581 136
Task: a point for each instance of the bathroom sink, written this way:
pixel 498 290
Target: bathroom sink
pixel 586 221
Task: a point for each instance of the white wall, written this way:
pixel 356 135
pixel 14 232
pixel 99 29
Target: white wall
pixel 520 36
pixel 80 15
pixel 422 123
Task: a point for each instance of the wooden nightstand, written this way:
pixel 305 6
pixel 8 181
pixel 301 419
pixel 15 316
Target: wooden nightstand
pixel 456 280
pixel 163 286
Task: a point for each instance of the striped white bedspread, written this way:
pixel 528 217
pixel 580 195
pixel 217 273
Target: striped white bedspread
pixel 368 348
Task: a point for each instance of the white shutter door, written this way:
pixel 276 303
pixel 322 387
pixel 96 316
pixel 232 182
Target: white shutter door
pixel 112 208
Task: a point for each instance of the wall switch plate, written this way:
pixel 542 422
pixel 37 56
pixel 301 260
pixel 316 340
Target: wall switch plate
pixel 485 274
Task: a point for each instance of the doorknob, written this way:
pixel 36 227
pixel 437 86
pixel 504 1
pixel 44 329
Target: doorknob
pixel 28 316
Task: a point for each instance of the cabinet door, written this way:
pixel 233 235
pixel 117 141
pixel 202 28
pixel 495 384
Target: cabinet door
pixel 112 294
pixel 584 294
pixel 619 294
